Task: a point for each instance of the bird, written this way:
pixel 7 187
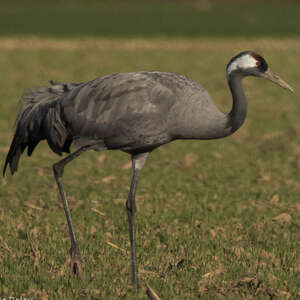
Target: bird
pixel 135 112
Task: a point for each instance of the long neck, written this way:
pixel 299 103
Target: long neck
pixel 238 113
pixel 206 121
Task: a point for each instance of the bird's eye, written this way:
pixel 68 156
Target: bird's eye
pixel 257 58
pixel 260 62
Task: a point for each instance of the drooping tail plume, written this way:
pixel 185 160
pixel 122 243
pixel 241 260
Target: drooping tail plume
pixel 39 118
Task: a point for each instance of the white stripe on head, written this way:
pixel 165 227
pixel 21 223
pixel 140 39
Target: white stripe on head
pixel 243 62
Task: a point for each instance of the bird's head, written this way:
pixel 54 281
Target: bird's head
pixel 249 63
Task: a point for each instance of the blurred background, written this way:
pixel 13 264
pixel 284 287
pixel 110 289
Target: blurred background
pixel 146 18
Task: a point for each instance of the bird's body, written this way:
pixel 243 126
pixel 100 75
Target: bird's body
pixel 133 112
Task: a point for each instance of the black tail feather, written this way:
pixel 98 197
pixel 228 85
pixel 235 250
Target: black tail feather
pixel 13 157
pixel 31 147
pixel 39 118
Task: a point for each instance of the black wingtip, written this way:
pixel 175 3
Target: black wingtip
pixel 4 169
pixel 7 162
pixel 13 156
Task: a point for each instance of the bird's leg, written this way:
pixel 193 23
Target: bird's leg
pixel 138 162
pixel 58 168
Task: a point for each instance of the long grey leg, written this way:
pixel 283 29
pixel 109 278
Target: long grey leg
pixel 58 168
pixel 138 162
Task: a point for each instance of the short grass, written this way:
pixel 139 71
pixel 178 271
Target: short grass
pixel 216 219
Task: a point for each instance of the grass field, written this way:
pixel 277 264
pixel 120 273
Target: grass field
pixel 216 219
pixel 148 18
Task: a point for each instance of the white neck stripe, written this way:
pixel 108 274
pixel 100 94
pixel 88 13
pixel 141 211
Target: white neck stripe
pixel 244 62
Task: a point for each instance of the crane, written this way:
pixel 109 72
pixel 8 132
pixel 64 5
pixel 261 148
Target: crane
pixel 133 112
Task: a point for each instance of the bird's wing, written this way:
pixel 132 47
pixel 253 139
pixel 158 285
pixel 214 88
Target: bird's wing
pixel 123 110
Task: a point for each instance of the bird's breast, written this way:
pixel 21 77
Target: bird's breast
pixel 197 118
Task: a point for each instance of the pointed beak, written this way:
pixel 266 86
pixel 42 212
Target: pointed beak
pixel 269 75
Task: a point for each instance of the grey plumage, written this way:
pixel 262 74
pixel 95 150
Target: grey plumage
pixel 132 112
pixel 127 111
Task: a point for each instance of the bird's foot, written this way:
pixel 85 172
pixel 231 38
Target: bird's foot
pixel 76 262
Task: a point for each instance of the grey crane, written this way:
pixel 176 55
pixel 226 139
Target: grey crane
pixel 133 112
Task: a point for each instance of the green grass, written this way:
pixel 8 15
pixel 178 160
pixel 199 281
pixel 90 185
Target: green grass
pixel 150 18
pixel 216 219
